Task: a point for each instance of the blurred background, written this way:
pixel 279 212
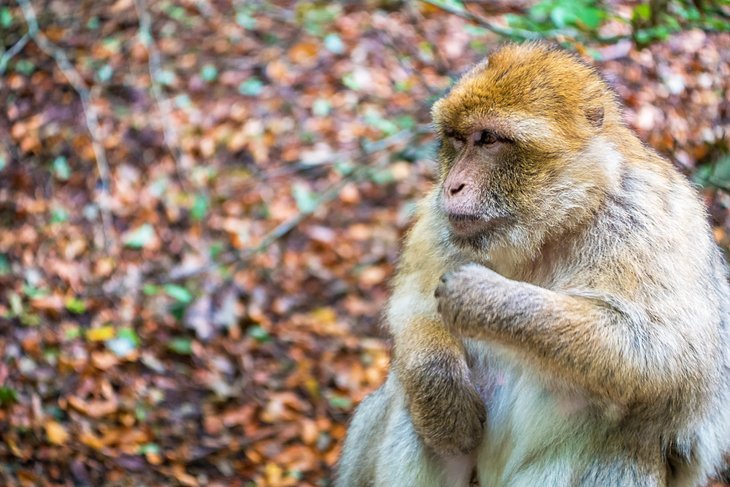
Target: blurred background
pixel 202 202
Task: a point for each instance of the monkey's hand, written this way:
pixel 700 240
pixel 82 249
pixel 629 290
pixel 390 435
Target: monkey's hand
pixel 470 297
pixel 446 410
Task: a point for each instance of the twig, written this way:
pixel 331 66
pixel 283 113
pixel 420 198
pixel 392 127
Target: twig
pixel 92 119
pixel 511 33
pixel 388 41
pixel 497 29
pixel 13 51
pixel 163 103
pixel 240 260
pixel 441 64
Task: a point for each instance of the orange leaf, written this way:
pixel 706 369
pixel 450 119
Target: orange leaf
pixel 56 433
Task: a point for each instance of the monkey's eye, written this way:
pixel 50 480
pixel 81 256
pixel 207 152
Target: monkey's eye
pixel 485 138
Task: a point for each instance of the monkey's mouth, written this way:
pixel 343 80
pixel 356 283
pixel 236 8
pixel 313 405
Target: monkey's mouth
pixel 469 226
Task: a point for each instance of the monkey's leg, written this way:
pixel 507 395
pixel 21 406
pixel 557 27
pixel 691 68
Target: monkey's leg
pixel 405 461
pixel 625 472
pixel 382 448
pixel 356 467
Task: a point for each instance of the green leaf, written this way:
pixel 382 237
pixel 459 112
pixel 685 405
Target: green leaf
pixel 561 16
pixel 76 306
pixel 200 207
pixel 381 176
pixel 251 87
pixel 8 396
pixel 166 77
pixel 590 17
pixel 306 199
pixel 33 292
pixel 124 343
pixel 181 346
pixel 348 79
pixel 129 334
pixel 16 303
pixel 176 12
pixel 321 107
pixel 139 237
pixel 93 23
pixel 720 173
pixel 178 293
pixel 334 44
pixel 150 289
pixel 456 5
pixel 105 73
pixel 342 402
pixel 375 120
pixel 112 44
pixel 4 265
pixel 61 168
pixel 59 215
pixel 216 248
pixel 183 101
pixel 6 17
pixel 149 448
pixel 642 12
pixel 209 73
pixel 258 334
pixel 29 319
pixel 24 66
pixel 72 333
pixel 245 20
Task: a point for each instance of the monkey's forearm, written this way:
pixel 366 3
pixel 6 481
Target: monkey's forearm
pixel 445 408
pixel 581 339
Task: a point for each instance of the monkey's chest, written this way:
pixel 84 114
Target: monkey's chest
pixel 531 423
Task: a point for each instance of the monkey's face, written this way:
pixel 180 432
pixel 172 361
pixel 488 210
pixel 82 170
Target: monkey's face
pixel 514 136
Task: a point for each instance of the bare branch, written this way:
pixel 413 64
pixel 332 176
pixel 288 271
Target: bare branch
pixel 12 52
pixel 90 114
pixel 163 103
pixel 478 19
pixel 239 260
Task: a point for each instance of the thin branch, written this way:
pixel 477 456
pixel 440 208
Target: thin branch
pixel 512 33
pixel 388 41
pixel 497 29
pixel 240 260
pixel 90 114
pixel 441 64
pixel 12 52
pixel 163 103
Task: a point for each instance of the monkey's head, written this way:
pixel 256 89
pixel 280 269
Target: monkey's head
pixel 526 148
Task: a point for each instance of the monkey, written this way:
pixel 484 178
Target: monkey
pixel 560 310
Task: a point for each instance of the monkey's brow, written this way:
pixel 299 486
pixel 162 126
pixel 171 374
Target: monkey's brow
pixel 499 134
pixel 454 134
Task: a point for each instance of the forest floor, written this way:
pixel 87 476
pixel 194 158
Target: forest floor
pixel 201 205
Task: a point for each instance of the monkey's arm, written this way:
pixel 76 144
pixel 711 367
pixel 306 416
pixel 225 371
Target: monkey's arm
pixel 608 352
pixel 429 360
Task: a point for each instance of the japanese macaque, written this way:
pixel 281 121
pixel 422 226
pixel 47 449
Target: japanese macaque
pixel 560 313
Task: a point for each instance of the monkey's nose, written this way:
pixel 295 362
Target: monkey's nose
pixel 456 188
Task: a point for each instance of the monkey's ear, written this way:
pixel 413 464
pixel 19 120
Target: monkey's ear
pixel 594 115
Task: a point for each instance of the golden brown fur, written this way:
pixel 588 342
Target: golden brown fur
pixel 583 305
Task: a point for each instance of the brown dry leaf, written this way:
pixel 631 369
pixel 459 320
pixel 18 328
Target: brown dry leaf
pixel 304 53
pixel 94 408
pixel 178 471
pixel 56 433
